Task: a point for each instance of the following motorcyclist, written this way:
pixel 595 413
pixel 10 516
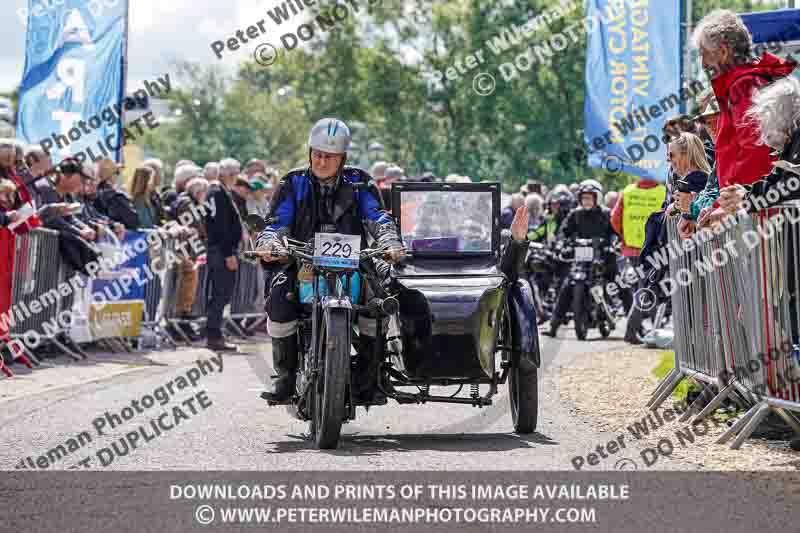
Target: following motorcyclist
pixel 559 203
pixel 326 197
pixel 589 220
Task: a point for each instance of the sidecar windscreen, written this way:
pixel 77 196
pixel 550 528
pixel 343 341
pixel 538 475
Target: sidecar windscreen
pixel 443 219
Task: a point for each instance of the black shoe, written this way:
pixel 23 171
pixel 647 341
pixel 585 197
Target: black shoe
pixel 552 331
pixel 284 361
pixel 189 331
pixel 632 340
pixel 219 345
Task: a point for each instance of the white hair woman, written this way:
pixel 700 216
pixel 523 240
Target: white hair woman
pixel 187 208
pixel 726 48
pixel 211 172
pixel 535 205
pixel 197 189
pixel 776 113
pixel 723 41
pixel 536 222
pixel 229 167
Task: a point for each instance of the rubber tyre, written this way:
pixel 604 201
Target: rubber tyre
pixel 523 389
pixel 330 404
pixel 580 317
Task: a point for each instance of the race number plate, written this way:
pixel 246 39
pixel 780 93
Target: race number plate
pixel 584 253
pixel 336 250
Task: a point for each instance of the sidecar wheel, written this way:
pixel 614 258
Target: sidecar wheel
pixel 523 388
pixel 330 407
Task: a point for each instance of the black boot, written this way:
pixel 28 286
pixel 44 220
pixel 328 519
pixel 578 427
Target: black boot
pixel 284 361
pixel 633 330
pixel 216 342
pixel 554 323
pixel 366 375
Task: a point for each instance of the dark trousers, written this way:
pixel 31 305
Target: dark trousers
pixel 282 300
pixel 220 290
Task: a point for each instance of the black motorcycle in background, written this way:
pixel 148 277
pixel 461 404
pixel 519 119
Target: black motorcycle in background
pixel 545 270
pixel 586 281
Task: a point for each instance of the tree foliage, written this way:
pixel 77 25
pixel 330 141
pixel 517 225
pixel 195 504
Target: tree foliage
pixel 377 67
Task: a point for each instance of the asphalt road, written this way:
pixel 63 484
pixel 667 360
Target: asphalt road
pixel 227 427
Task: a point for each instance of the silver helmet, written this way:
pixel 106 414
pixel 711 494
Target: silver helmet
pixel 593 187
pixel 330 135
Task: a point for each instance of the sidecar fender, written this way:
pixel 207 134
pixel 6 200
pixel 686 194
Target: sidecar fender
pixel 523 322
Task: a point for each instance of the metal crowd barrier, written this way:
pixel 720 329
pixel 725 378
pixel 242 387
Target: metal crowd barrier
pixel 39 270
pixel 35 285
pixel 697 332
pixel 159 290
pixel 736 319
pixel 246 306
pixel 248 295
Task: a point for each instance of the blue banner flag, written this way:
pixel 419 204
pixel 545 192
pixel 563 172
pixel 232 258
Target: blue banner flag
pixel 781 26
pixel 73 81
pixel 632 83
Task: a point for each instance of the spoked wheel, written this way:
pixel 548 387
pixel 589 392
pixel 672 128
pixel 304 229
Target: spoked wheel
pixel 523 387
pixel 580 315
pixel 331 384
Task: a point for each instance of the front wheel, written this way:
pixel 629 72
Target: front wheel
pixel 331 383
pixel 580 314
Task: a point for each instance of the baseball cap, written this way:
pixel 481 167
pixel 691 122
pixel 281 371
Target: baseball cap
pixel 258 162
pixel 73 166
pixel 257 185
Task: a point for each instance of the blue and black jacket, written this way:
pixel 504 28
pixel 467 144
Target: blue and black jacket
pixel 357 208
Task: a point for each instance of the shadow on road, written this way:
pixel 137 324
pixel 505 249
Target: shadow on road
pixel 355 444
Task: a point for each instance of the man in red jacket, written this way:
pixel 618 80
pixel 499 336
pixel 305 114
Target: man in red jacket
pixel 725 45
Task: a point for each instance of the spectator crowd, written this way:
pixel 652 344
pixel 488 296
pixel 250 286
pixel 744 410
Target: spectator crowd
pixel 721 160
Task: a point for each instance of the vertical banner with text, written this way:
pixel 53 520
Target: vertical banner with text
pixel 632 83
pixel 73 74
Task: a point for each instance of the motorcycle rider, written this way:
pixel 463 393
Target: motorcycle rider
pixel 589 220
pixel 327 197
pixel 559 203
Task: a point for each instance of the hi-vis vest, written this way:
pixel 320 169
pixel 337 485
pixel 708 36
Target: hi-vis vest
pixel 638 204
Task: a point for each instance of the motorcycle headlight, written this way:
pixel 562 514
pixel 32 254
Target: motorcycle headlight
pixel 580 276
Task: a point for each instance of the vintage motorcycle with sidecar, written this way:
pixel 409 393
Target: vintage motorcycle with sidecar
pixel 447 316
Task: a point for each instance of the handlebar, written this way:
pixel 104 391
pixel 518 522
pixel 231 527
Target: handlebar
pixel 305 251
